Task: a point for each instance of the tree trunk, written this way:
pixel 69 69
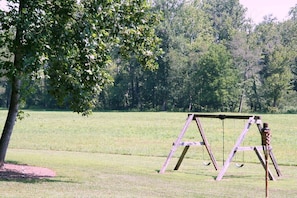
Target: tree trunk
pixel 11 119
pixel 241 102
pixel 15 92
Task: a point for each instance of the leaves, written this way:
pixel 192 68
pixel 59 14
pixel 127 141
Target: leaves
pixel 72 42
pixel 218 80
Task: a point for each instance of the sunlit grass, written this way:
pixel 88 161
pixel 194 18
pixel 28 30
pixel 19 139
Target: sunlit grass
pixel 147 134
pixel 115 154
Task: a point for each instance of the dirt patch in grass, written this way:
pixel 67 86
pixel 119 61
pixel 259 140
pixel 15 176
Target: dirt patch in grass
pixel 23 171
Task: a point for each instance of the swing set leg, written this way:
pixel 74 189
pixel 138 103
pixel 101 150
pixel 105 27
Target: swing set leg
pixel 264 164
pixel 181 157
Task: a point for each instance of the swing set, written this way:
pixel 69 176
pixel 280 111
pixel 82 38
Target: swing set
pixel 237 147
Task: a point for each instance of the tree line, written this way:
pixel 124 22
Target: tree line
pixel 214 58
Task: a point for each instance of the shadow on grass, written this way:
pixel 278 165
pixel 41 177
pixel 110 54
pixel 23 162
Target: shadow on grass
pixel 19 173
pixel 15 176
pixel 213 175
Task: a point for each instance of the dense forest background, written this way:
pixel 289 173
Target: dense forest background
pixel 214 59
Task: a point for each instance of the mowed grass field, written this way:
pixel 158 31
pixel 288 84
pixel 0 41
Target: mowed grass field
pixel 117 154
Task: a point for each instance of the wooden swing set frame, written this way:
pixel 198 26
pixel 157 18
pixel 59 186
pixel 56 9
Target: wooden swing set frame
pixel 237 147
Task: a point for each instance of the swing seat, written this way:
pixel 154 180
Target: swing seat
pixel 206 163
pixel 239 165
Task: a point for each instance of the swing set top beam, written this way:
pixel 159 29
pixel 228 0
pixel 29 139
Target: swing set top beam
pixel 222 116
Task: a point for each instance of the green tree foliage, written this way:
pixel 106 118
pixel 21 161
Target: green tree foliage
pixel 263 56
pixel 69 44
pixel 188 30
pixel 94 31
pixel 217 80
pixel 227 17
pixel 276 78
pixel 190 36
pixel 289 39
pixel 246 55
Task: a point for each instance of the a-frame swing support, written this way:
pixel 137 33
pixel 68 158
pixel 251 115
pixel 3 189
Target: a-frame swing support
pixel 187 145
pixel 251 120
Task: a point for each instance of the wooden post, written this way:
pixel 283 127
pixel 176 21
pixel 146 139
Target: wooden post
pixel 266 134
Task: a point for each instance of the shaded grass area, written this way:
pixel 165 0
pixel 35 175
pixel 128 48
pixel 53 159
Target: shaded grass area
pixel 120 154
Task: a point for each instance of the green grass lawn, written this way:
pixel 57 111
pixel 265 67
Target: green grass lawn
pixel 119 155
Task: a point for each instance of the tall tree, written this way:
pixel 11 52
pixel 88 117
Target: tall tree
pixel 190 36
pixel 289 35
pixel 227 16
pixel 246 55
pixel 218 80
pixel 276 78
pixel 269 40
pixel 70 43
